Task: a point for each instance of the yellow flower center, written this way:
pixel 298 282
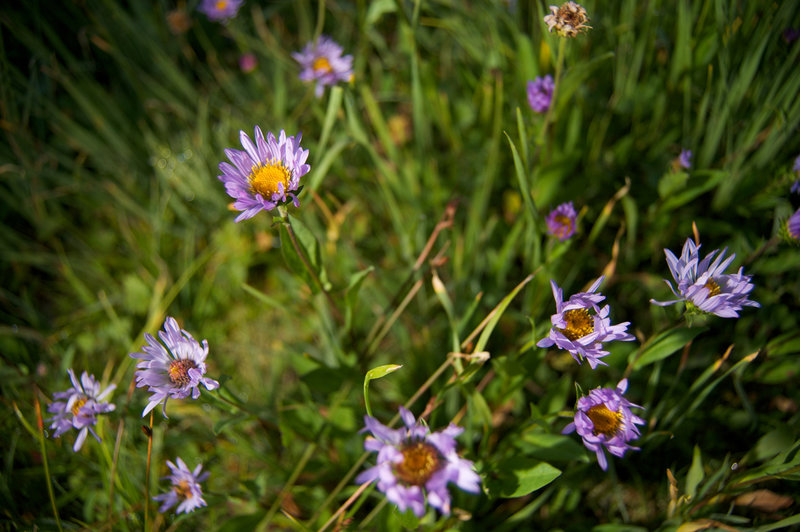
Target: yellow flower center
pixel 78 404
pixel 579 323
pixel 566 224
pixel 321 63
pixel 420 462
pixel 264 179
pixel 183 490
pixel 713 288
pixel 221 4
pixel 179 371
pixel 604 420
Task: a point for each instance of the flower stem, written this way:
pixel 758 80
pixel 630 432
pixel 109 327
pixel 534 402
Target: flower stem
pixel 310 449
pixel 40 425
pixel 549 115
pixel 299 250
pixel 147 471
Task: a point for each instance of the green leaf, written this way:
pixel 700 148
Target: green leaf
pixel 695 474
pixel 665 344
pixel 376 373
pixel 552 447
pixel 517 477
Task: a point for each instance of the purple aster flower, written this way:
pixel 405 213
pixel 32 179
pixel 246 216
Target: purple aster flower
pixel 790 35
pixel 323 62
pixel 414 463
pixel 248 62
pixel 561 221
pixel 265 173
pixel 220 10
pixel 174 368
pixel 795 187
pixel 78 407
pixel 581 326
pixel 793 226
pixel 604 419
pixel 704 286
pixel 185 488
pixel 685 159
pixel 540 93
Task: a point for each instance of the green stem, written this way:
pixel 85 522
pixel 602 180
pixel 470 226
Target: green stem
pixel 285 217
pixel 549 115
pixel 296 473
pixel 43 450
pixel 147 472
pixel 320 20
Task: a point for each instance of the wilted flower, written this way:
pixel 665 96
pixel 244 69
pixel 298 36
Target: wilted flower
pixel 540 93
pixel 173 369
pixel 568 20
pixel 220 10
pixel 323 62
pixel 413 459
pixel 248 62
pixel 78 407
pixel 604 419
pixel 265 174
pixel 704 286
pixel 561 221
pixel 185 488
pixel 685 159
pixel 581 327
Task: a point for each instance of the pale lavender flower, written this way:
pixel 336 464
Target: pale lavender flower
pixel 78 408
pixel 685 159
pixel 323 62
pixel 796 166
pixel 793 226
pixel 568 20
pixel 561 221
pixel 414 463
pixel 266 174
pixel 795 189
pixel 173 369
pixel 220 10
pixel 604 420
pixel 704 286
pixel 581 326
pixel 540 93
pixel 185 492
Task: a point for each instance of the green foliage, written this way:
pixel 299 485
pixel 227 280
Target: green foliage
pixel 420 242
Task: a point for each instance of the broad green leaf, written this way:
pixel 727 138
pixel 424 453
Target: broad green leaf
pixel 517 477
pixel 665 344
pixel 553 447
